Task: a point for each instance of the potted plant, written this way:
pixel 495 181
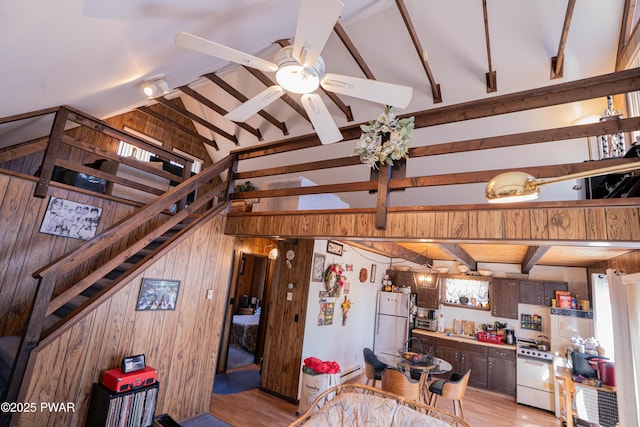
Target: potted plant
pixel 247 203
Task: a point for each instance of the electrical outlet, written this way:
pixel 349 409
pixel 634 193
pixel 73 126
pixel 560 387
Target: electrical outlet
pixel 209 293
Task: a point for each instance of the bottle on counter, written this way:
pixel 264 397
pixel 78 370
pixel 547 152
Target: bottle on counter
pixel 441 322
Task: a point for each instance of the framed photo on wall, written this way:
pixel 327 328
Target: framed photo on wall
pixel 318 268
pixel 334 248
pixel 158 294
pixel 70 219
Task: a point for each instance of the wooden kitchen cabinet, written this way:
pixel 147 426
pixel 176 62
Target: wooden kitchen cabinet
pixel 538 292
pixel 464 356
pixel 427 298
pixel 505 295
pixel 427 345
pixel 501 371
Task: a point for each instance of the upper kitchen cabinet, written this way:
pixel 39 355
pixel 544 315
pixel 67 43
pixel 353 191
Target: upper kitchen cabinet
pixel 505 295
pixel 427 297
pixel 538 292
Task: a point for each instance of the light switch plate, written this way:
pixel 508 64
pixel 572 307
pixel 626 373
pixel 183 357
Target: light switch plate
pixel 289 296
pixel 209 293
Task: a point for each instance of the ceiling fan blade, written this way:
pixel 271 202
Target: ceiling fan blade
pixel 208 47
pixel 322 121
pixel 371 90
pixel 255 104
pixel 316 20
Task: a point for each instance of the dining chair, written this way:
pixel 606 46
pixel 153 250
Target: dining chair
pixel 398 382
pixel 453 389
pixel 372 366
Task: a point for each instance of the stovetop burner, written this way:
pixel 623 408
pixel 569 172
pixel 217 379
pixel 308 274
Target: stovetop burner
pixel 533 352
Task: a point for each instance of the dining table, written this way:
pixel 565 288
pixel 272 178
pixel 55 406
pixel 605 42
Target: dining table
pixel 427 365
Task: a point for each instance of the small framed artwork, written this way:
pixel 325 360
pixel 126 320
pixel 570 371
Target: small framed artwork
pixel 334 248
pixel 70 219
pixel 318 268
pixel 372 277
pixel 158 294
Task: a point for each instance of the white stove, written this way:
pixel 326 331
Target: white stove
pixel 535 377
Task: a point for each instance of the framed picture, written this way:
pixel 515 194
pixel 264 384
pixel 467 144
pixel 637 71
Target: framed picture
pixel 334 248
pixel 158 294
pixel 372 277
pixel 70 219
pixel 318 268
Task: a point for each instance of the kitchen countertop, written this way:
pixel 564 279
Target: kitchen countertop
pixel 460 338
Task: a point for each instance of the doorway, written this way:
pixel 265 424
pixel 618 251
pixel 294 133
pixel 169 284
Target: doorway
pixel 247 313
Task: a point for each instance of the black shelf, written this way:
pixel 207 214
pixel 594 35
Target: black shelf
pixel 133 408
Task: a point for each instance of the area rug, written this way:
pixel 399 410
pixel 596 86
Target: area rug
pixel 238 357
pixel 236 382
pixel 204 420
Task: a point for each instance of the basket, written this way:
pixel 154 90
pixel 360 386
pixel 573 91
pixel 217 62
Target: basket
pixel 491 338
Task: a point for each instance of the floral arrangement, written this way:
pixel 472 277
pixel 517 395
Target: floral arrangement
pixel 334 279
pixel 346 306
pixel 384 140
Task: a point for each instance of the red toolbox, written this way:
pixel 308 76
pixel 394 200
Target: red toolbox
pixel 118 381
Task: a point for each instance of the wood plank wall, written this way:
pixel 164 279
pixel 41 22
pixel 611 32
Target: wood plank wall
pixel 181 344
pixel 578 224
pixel 23 249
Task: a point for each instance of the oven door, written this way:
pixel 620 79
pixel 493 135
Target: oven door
pixel 535 383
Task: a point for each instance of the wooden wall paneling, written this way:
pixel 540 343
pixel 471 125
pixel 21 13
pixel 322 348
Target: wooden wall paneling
pixel 459 224
pixel 596 221
pixel 396 225
pixel 426 225
pixel 485 225
pixel 441 225
pixel 516 224
pixel 283 347
pixel 622 224
pixel 567 224
pixel 539 224
pixel 44 389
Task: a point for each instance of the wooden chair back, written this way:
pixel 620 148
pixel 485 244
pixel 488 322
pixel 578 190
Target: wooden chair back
pixel 455 389
pixel 397 382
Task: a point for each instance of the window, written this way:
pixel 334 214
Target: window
pixel 602 315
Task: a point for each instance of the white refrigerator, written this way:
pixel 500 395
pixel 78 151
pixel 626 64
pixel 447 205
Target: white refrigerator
pixel 393 321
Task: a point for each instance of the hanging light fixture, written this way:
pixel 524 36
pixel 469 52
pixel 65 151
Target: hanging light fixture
pixel 426 276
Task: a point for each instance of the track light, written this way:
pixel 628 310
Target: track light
pixel 155 87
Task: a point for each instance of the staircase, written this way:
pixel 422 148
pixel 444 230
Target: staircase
pixel 52 315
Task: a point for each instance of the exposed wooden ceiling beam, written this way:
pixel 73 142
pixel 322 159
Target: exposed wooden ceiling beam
pixel 346 40
pixel 218 109
pixel 393 250
pixel 177 126
pixel 213 77
pixel 533 255
pixel 490 76
pixel 286 98
pixel 459 254
pixel 332 96
pixel 629 39
pixel 188 114
pixel 627 24
pixel 435 87
pixel 557 62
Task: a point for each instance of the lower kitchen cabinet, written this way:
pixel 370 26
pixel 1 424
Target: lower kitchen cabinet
pixel 492 368
pixel 425 344
pixel 465 356
pixel 501 369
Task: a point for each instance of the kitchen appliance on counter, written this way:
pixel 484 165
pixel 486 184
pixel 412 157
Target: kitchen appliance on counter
pixel 426 319
pixel 535 374
pixel 393 321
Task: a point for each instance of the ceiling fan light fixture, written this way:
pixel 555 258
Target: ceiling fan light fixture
pixel 294 77
pixel 155 86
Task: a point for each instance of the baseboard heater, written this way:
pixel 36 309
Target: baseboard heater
pixel 350 374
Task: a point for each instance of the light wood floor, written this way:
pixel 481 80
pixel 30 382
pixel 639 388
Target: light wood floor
pixel 481 408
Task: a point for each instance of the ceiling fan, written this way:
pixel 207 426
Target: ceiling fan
pixel 300 69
